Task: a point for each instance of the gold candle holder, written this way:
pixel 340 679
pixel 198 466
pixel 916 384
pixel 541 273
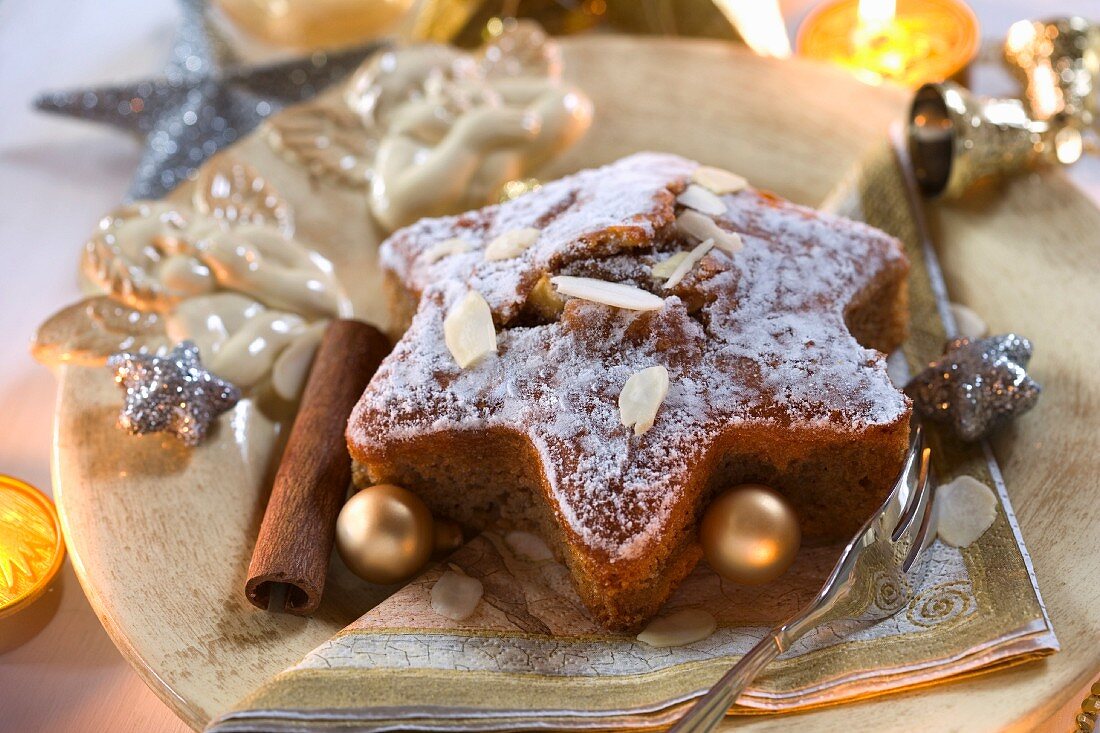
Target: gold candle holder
pixel 1057 61
pixel 956 139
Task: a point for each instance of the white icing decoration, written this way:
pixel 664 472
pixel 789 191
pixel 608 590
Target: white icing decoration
pixel 678 629
pixel 617 295
pixel 688 263
pixel 469 331
pixel 704 201
pixel 641 398
pixel 965 509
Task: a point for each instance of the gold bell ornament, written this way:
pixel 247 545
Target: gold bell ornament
pixel 1058 62
pixel 957 139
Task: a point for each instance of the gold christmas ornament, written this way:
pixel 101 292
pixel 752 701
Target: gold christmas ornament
pixel 385 534
pixel 956 139
pixel 750 534
pixel 1057 61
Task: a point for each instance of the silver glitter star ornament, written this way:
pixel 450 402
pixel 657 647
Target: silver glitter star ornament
pixel 171 393
pixel 204 100
pixel 976 386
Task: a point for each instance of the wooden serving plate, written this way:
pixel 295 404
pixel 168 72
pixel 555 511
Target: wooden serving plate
pixel 160 537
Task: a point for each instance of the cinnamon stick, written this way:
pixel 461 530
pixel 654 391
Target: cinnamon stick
pixel 289 563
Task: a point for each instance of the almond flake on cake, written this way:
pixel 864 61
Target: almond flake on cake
pixel 718 180
pixel 511 243
pixel 607 293
pixel 702 227
pixel 641 398
pixel 689 262
pixel 468 330
pixel 702 200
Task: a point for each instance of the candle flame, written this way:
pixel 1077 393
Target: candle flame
pixel 877 12
pixel 760 24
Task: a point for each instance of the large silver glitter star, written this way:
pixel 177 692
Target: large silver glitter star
pixel 976 386
pixel 170 393
pixel 204 100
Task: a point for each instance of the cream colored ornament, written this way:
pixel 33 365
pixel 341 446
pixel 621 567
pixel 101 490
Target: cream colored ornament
pixel 750 534
pixel 384 534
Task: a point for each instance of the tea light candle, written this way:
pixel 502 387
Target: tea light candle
pixel 31 547
pixel 909 42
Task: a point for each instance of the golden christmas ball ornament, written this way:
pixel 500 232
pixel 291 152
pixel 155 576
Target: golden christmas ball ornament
pixel 750 534
pixel 31 546
pixel 385 534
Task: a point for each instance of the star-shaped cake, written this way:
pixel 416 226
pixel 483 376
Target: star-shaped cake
pixel 171 393
pixel 767 319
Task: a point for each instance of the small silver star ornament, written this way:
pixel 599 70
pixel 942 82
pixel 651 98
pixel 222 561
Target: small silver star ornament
pixel 170 393
pixel 976 386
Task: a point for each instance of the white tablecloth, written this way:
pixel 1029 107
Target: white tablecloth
pixel 58 669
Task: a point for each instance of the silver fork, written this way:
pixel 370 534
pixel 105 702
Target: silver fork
pixel 873 579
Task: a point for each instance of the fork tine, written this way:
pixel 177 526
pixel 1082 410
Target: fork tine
pixel 927 489
pixel 911 508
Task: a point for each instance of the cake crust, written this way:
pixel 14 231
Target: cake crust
pixel 771 352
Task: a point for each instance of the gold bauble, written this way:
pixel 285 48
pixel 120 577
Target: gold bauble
pixel 384 534
pixel 750 534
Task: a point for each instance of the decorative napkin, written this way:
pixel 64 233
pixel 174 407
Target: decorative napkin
pixel 531 658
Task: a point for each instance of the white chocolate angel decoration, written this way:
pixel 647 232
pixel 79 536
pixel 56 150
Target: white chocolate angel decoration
pixel 419 130
pixel 430 130
pixel 225 272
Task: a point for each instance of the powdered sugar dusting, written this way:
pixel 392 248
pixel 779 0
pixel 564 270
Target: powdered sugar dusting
pixel 755 337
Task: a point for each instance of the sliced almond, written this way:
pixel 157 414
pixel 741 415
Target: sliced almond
pixel 511 243
pixel 528 546
pixel 700 199
pixel 468 329
pixel 702 227
pixel 446 248
pixel 689 262
pixel 679 629
pixel 662 270
pixel 608 293
pixel 718 180
pixel 456 595
pixel 965 509
pixel 641 397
